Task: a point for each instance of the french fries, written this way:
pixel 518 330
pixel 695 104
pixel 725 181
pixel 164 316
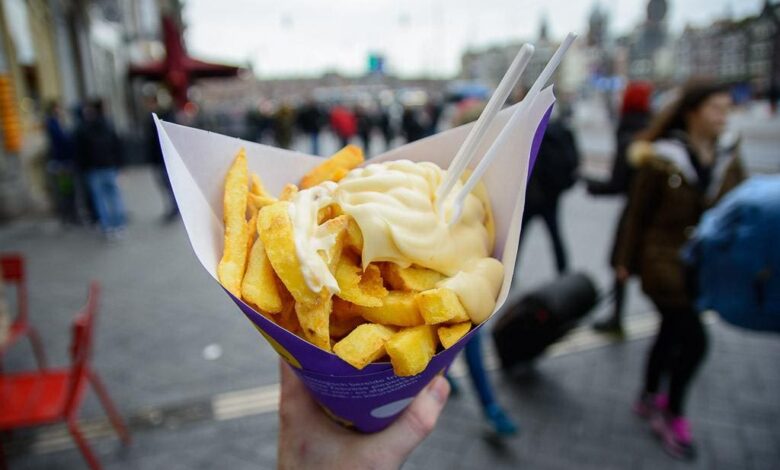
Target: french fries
pixel 450 334
pixel 382 311
pixel 413 278
pixel 440 305
pixel 411 349
pixel 230 270
pixel 335 167
pixel 365 344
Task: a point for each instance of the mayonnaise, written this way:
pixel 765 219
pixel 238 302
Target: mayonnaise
pixel 311 243
pixel 394 204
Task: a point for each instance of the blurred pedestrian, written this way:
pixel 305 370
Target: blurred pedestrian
pixel 385 124
pixel 681 170
pixel 310 120
pixel 283 122
pixel 310 439
pixel 433 109
pixel 554 172
pixel 61 166
pixel 155 156
pixel 412 125
pixel 98 152
pixel 634 117
pixel 343 123
pixel 365 125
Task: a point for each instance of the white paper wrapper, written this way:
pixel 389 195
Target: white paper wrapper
pixel 197 162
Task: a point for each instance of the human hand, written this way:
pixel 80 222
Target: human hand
pixel 309 439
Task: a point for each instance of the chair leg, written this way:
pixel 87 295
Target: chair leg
pixel 3 465
pixel 108 405
pixel 81 442
pixel 35 342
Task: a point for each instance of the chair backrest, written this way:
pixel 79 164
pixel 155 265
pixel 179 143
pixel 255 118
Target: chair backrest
pixel 81 342
pixel 12 267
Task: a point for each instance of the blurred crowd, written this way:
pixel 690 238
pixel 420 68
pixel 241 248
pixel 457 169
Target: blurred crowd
pixel 280 123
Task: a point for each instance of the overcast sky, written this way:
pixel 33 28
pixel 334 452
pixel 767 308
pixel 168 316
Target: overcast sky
pixel 418 37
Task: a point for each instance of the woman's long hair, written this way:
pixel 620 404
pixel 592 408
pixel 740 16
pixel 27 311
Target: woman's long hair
pixel 673 116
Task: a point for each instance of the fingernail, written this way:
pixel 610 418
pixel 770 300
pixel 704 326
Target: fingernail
pixel 439 389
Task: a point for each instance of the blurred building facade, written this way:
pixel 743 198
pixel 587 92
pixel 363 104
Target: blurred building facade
pixel 743 51
pixel 67 51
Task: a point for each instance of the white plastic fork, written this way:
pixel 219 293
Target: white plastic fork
pixel 519 113
pixel 474 138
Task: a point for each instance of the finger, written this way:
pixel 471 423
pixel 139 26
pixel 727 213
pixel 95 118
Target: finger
pixel 418 420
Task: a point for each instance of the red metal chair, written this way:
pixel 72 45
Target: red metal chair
pixel 53 395
pixel 12 267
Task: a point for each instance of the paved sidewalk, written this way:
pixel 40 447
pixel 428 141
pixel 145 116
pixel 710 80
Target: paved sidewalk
pixel 198 383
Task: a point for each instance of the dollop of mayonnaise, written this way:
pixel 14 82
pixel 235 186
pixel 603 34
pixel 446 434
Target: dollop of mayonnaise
pixel 312 243
pixel 394 204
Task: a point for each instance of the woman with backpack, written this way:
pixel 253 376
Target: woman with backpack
pixel 681 170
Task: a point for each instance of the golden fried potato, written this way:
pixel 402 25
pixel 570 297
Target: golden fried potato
pixel 251 228
pixel 334 168
pixel 259 285
pixel 288 192
pixel 441 305
pixel 315 319
pixel 336 228
pixel 230 270
pixel 413 278
pixel 411 349
pixel 397 309
pixel 257 187
pixel 344 310
pixel 364 345
pixel 255 202
pixel 287 318
pixel 354 236
pixel 450 334
pixel 313 309
pixel 360 288
pixel 342 326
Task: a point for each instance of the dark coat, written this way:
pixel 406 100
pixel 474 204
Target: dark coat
pixel 97 145
pixel 664 207
pixel 555 169
pixel 622 172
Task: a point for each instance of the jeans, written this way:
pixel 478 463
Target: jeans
pixel 315 142
pixel 107 199
pixel 477 371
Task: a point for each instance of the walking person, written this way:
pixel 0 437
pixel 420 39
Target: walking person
pixel 343 123
pixel 681 171
pixel 309 119
pixel 155 156
pixel 554 172
pixel 99 153
pixel 60 165
pixel 634 117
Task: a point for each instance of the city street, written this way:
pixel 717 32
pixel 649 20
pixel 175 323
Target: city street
pixel 199 385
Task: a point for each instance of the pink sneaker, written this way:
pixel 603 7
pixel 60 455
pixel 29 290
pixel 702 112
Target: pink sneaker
pixel 675 434
pixel 648 404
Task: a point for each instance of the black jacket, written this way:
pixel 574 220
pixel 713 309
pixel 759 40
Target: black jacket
pixel 622 172
pixel 97 145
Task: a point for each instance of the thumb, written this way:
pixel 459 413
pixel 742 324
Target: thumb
pixel 418 420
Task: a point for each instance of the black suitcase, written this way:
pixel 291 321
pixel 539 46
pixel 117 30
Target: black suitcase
pixel 529 324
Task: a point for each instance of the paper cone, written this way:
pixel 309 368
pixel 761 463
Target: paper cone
pixel 369 399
